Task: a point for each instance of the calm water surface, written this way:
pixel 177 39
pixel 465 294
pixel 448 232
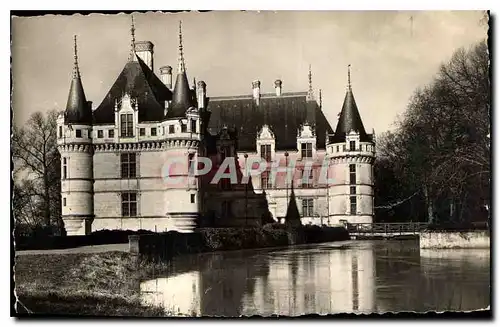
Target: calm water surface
pixel 352 276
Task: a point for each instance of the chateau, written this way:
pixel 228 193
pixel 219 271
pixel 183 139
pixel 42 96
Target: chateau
pixel 113 157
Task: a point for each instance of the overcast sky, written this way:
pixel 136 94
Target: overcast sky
pixel 391 54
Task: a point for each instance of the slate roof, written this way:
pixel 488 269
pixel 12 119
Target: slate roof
pixel 284 114
pixel 140 82
pixel 182 99
pixel 349 119
pixel 78 110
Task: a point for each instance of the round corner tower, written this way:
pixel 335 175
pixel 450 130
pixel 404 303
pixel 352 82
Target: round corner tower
pixel 351 154
pixel 74 140
pixel 181 151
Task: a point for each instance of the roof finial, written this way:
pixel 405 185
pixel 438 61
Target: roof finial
pixel 310 79
pixel 76 71
pixel 310 92
pixel 182 66
pixel 349 77
pixel 132 43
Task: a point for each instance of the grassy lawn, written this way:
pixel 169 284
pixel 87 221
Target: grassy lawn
pixel 103 284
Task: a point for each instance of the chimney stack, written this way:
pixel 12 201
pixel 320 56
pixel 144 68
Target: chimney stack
pixel 201 93
pixel 277 85
pixel 144 49
pixel 256 91
pixel 166 76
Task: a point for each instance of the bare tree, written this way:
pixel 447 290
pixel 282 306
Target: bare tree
pixel 442 144
pixel 34 149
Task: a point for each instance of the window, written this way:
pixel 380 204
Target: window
pixel 224 152
pixel 352 145
pixel 100 134
pixel 307 181
pixel 193 126
pixel 64 202
pixel 352 174
pixel 307 207
pixel 65 168
pixel 111 133
pixel 226 209
pixel 264 180
pixel 225 183
pixel 191 163
pixel 153 131
pixel 129 204
pixel 183 128
pixel 265 152
pixel 163 130
pixel 60 131
pixel 353 190
pixel 142 131
pixel 127 121
pixel 353 205
pixel 171 129
pixel 306 150
pixel 128 165
pixel 78 133
pixel 193 198
pixel 338 148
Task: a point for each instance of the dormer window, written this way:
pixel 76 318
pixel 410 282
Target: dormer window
pixel 100 134
pixel 171 129
pixel 193 126
pixel 352 146
pixel 183 128
pixel 78 133
pixel 265 152
pixel 306 150
pixel 127 125
pixel 142 131
pixel 153 131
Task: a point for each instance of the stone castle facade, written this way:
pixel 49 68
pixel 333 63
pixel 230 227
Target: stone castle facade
pixel 114 156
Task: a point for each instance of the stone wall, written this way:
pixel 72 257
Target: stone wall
pixel 459 240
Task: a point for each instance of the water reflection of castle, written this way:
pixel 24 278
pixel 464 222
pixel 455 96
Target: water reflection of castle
pixel 368 277
pixel 326 282
pixel 286 282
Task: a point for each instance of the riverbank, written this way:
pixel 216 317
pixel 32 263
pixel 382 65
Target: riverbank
pixel 479 239
pixel 97 284
pixel 165 246
pixel 108 284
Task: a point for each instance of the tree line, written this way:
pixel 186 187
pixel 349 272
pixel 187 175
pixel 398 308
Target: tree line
pixel 435 166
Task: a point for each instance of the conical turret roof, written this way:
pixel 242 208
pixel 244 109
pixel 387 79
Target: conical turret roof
pixel 78 110
pixel 182 98
pixel 349 119
pixel 292 217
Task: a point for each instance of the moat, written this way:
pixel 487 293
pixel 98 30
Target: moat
pixel 329 278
